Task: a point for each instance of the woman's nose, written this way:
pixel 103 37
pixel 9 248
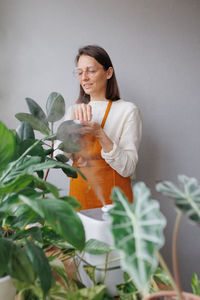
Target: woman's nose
pixel 85 75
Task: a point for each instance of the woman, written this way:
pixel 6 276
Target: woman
pixel 111 131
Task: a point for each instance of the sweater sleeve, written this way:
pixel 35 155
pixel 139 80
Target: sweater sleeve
pixel 124 155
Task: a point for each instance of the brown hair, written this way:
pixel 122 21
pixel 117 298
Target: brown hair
pixel 98 53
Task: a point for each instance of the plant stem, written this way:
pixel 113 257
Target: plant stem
pixel 166 269
pixel 174 250
pixel 51 155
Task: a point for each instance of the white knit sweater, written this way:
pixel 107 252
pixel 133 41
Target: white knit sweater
pixel 124 127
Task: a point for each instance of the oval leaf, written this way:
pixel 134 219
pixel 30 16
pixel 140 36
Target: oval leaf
pixel 34 122
pixel 36 110
pixel 94 246
pixel 138 233
pixel 67 128
pixel 69 146
pixel 55 107
pixel 61 217
pixel 7 146
pixel 25 131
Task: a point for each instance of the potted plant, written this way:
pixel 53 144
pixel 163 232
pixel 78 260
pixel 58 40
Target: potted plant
pixel 137 230
pixel 33 216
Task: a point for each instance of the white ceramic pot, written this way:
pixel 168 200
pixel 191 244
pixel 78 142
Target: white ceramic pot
pixel 96 225
pixel 7 289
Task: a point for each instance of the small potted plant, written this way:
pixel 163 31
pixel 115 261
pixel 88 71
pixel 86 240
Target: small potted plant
pixel 137 230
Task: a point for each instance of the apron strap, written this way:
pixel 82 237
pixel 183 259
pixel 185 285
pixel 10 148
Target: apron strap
pixel 106 113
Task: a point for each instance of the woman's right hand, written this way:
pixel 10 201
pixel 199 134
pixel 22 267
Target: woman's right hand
pixel 82 112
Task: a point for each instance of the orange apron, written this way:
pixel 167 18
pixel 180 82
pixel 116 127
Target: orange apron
pixel 101 178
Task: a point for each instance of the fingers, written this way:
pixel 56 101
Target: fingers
pixel 82 112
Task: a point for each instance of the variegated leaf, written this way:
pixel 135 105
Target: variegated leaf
pixel 138 233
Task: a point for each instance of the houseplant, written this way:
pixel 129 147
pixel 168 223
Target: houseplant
pixel 33 216
pixel 138 233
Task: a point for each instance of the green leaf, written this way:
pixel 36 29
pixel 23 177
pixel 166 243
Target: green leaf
pixel 55 107
pixel 61 217
pixel 41 266
pixel 188 199
pixel 20 266
pixel 93 293
pixel 68 129
pixel 7 146
pixel 62 158
pixel 160 276
pixel 90 271
pixel 25 131
pixel 138 233
pixel 195 283
pixel 5 254
pixel 69 146
pixel 36 110
pixel 94 246
pixel 19 183
pixel 72 201
pixel 36 151
pixel 34 122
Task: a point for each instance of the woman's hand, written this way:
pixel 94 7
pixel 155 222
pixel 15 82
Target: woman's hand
pixel 82 112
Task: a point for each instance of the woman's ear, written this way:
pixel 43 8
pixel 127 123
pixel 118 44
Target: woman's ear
pixel 109 72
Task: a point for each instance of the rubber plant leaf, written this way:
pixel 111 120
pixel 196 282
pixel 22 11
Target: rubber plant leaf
pixel 186 199
pixel 35 123
pixel 25 131
pixel 55 107
pixel 61 217
pixel 137 230
pixel 7 146
pixel 36 110
pixel 67 128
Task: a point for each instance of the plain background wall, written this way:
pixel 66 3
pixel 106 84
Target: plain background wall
pixel 155 48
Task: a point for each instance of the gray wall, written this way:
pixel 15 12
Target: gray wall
pixel 155 48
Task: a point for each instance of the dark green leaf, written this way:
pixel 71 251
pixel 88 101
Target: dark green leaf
pixel 19 183
pixel 36 110
pixel 7 146
pixel 55 107
pixel 34 122
pixel 62 158
pixel 61 217
pixel 36 151
pixel 94 246
pixel 20 266
pixel 41 266
pixel 25 131
pixel 5 254
pixel 72 201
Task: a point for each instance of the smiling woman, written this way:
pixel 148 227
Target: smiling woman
pixel 110 132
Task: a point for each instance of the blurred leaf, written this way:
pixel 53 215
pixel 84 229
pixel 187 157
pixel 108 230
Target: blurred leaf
pixel 72 201
pixel 41 266
pixel 94 246
pixel 90 271
pixel 195 283
pixel 25 131
pixel 34 122
pixel 69 146
pixel 7 146
pixel 138 233
pixel 68 129
pixel 93 293
pixel 20 266
pixel 36 111
pixel 160 276
pixel 5 254
pixel 61 217
pixel 188 199
pixel 20 182
pixel 62 158
pixel 55 107
pixel 36 151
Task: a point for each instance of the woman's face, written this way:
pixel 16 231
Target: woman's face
pixel 92 77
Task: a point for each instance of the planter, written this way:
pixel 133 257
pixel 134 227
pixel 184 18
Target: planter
pixel 7 289
pixel 96 224
pixel 171 295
